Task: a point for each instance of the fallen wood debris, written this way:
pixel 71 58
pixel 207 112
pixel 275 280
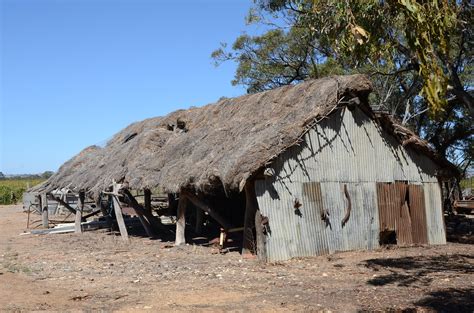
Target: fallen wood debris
pixel 70 227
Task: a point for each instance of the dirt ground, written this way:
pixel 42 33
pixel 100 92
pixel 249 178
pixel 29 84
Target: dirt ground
pixel 96 271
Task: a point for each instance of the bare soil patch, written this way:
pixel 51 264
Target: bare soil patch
pixel 96 271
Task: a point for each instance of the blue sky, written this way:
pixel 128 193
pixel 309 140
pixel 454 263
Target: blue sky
pixel 73 73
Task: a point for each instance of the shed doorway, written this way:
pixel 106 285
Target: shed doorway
pixel 402 215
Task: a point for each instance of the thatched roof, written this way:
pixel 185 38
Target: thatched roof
pixel 222 144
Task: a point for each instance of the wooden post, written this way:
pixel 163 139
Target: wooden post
pixel 79 208
pixel 172 204
pixel 199 220
pixel 64 203
pixel 118 212
pixel 104 211
pixel 181 222
pixel 147 197
pixel 44 210
pixel 139 210
pixel 251 205
pixel 261 240
pixel 119 217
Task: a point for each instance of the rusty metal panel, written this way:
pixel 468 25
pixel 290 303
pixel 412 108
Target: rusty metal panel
pixel 402 215
pixel 394 214
pixel 404 226
pixel 389 204
pixel 434 214
pixel 418 214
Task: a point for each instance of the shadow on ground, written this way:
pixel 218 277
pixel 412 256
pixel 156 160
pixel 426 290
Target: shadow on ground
pixel 460 228
pixel 449 300
pixel 407 271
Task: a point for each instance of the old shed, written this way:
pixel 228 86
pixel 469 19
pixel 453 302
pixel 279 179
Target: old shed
pixel 300 170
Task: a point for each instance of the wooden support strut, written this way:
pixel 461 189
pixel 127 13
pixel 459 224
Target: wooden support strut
pixel 64 203
pixel 78 218
pixel 149 218
pixel 184 197
pixel 206 208
pixel 140 212
pixel 118 212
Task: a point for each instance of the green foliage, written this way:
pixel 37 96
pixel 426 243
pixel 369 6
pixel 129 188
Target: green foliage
pixel 11 190
pixel 428 28
pixel 419 54
pixel 47 174
pixel 274 59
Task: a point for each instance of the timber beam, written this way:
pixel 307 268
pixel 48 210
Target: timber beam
pixel 145 213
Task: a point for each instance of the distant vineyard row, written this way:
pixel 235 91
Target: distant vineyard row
pixel 11 190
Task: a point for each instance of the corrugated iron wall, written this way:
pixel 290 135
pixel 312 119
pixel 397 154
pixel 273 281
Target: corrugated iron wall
pixel 346 149
pixel 304 232
pixel 434 214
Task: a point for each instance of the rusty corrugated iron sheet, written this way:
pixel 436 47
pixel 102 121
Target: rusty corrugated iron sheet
pixel 418 214
pixel 404 226
pixel 402 209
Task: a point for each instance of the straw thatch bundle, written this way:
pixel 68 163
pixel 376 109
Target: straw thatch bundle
pixel 219 144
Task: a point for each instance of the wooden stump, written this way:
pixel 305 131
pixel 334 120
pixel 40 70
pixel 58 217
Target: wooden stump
pixel 44 210
pixel 79 208
pixel 251 206
pixel 181 222
pixel 261 240
pixel 147 196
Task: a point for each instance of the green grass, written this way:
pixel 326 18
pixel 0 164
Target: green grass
pixel 468 183
pixel 11 190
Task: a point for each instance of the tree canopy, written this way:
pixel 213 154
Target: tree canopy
pixel 418 53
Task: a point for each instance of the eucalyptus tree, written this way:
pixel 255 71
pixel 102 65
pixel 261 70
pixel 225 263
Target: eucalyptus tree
pixel 418 53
